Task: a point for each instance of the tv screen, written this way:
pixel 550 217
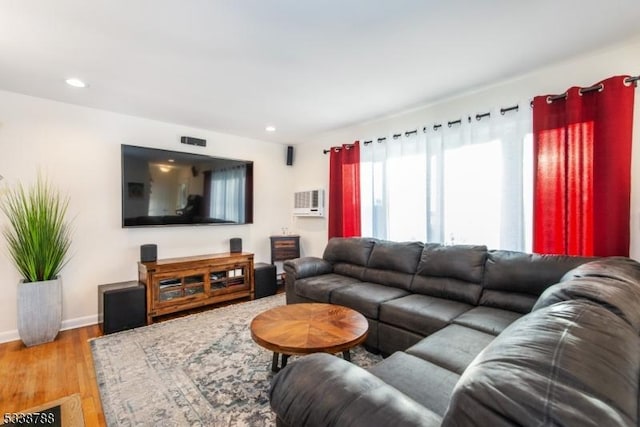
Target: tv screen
pixel 161 187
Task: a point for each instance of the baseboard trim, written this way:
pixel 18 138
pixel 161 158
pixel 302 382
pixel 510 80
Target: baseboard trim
pixel 78 322
pixel 9 336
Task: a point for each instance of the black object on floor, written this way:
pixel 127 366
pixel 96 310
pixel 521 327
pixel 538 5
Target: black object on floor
pixel 121 306
pixel 265 279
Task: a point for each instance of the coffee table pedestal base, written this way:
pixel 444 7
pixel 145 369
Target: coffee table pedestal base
pixel 282 358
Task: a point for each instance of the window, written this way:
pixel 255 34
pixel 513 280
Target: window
pixel 469 183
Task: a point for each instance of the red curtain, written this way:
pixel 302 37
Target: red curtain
pixel 344 191
pixel 582 170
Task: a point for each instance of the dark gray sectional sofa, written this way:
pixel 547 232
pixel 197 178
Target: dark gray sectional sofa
pixel 474 337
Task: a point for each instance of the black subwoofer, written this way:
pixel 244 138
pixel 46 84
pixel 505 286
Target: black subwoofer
pixel 264 278
pixel 121 306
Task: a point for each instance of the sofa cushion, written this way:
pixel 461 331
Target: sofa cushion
pixel 322 390
pixel 453 272
pixel 318 288
pixel 349 250
pixel 421 313
pixel 394 338
pixel 525 273
pixel 424 382
pixel 487 319
pixel 448 288
pixel 393 264
pixel 464 262
pixel 613 283
pixel 570 364
pixel 388 278
pixel 365 297
pixel 350 270
pixel 402 257
pixel 619 268
pixel 512 301
pixel 452 348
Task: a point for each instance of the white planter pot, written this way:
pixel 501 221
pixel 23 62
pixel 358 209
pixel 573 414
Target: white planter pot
pixel 39 311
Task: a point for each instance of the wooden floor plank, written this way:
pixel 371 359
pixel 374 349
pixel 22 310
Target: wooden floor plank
pixel 33 376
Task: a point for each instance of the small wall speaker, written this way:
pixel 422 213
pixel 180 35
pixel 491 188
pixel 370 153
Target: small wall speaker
pixel 235 245
pixel 149 253
pixel 289 155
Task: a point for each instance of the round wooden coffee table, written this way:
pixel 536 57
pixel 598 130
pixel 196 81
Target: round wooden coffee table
pixel 308 328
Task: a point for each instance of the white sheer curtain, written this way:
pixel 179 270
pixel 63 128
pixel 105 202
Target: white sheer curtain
pixel 228 187
pixel 468 183
pixel 393 188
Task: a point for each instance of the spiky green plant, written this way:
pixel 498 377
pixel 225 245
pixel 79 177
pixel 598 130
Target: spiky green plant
pixel 38 237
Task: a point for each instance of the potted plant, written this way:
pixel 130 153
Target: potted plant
pixel 38 240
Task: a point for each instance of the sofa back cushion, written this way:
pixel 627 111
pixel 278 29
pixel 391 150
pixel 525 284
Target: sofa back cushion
pixel 349 255
pixel 514 280
pixel 452 272
pixel 393 264
pixel 613 283
pixel 572 363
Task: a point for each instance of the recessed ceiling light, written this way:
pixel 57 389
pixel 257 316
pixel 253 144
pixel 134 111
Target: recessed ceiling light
pixel 270 128
pixel 171 160
pixel 76 82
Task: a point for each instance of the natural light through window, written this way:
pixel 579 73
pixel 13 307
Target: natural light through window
pixel 472 181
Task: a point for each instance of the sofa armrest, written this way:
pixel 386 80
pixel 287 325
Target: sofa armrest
pixel 300 268
pixel 325 390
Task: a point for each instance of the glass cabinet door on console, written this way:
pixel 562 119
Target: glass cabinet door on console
pixel 232 278
pixel 170 287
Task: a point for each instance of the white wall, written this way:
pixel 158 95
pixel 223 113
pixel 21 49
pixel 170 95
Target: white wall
pixel 79 150
pixel 556 78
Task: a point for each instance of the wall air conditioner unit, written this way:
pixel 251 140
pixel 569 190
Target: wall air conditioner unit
pixel 309 203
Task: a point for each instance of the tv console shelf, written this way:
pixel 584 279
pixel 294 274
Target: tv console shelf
pixel 177 284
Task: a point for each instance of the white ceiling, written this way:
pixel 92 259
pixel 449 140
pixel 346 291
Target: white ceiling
pixel 237 65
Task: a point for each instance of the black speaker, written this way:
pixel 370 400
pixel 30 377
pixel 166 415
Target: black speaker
pixel 193 141
pixel 264 279
pixel 149 253
pixel 289 155
pixel 235 244
pixel 121 306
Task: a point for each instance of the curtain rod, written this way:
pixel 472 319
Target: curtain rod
pixel 347 146
pixel 503 111
pixel 599 87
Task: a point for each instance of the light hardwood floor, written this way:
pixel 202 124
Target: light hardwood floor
pixel 32 376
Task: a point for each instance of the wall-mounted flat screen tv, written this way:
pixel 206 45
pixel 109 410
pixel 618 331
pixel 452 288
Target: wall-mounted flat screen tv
pixel 167 188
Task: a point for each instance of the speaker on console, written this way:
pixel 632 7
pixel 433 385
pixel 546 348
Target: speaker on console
pixel 149 253
pixel 290 155
pixel 235 244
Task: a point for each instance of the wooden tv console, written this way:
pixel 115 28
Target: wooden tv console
pixel 177 284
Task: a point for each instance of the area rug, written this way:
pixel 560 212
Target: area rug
pixel 199 370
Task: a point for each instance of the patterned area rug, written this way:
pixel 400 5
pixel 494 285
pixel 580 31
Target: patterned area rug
pixel 199 370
